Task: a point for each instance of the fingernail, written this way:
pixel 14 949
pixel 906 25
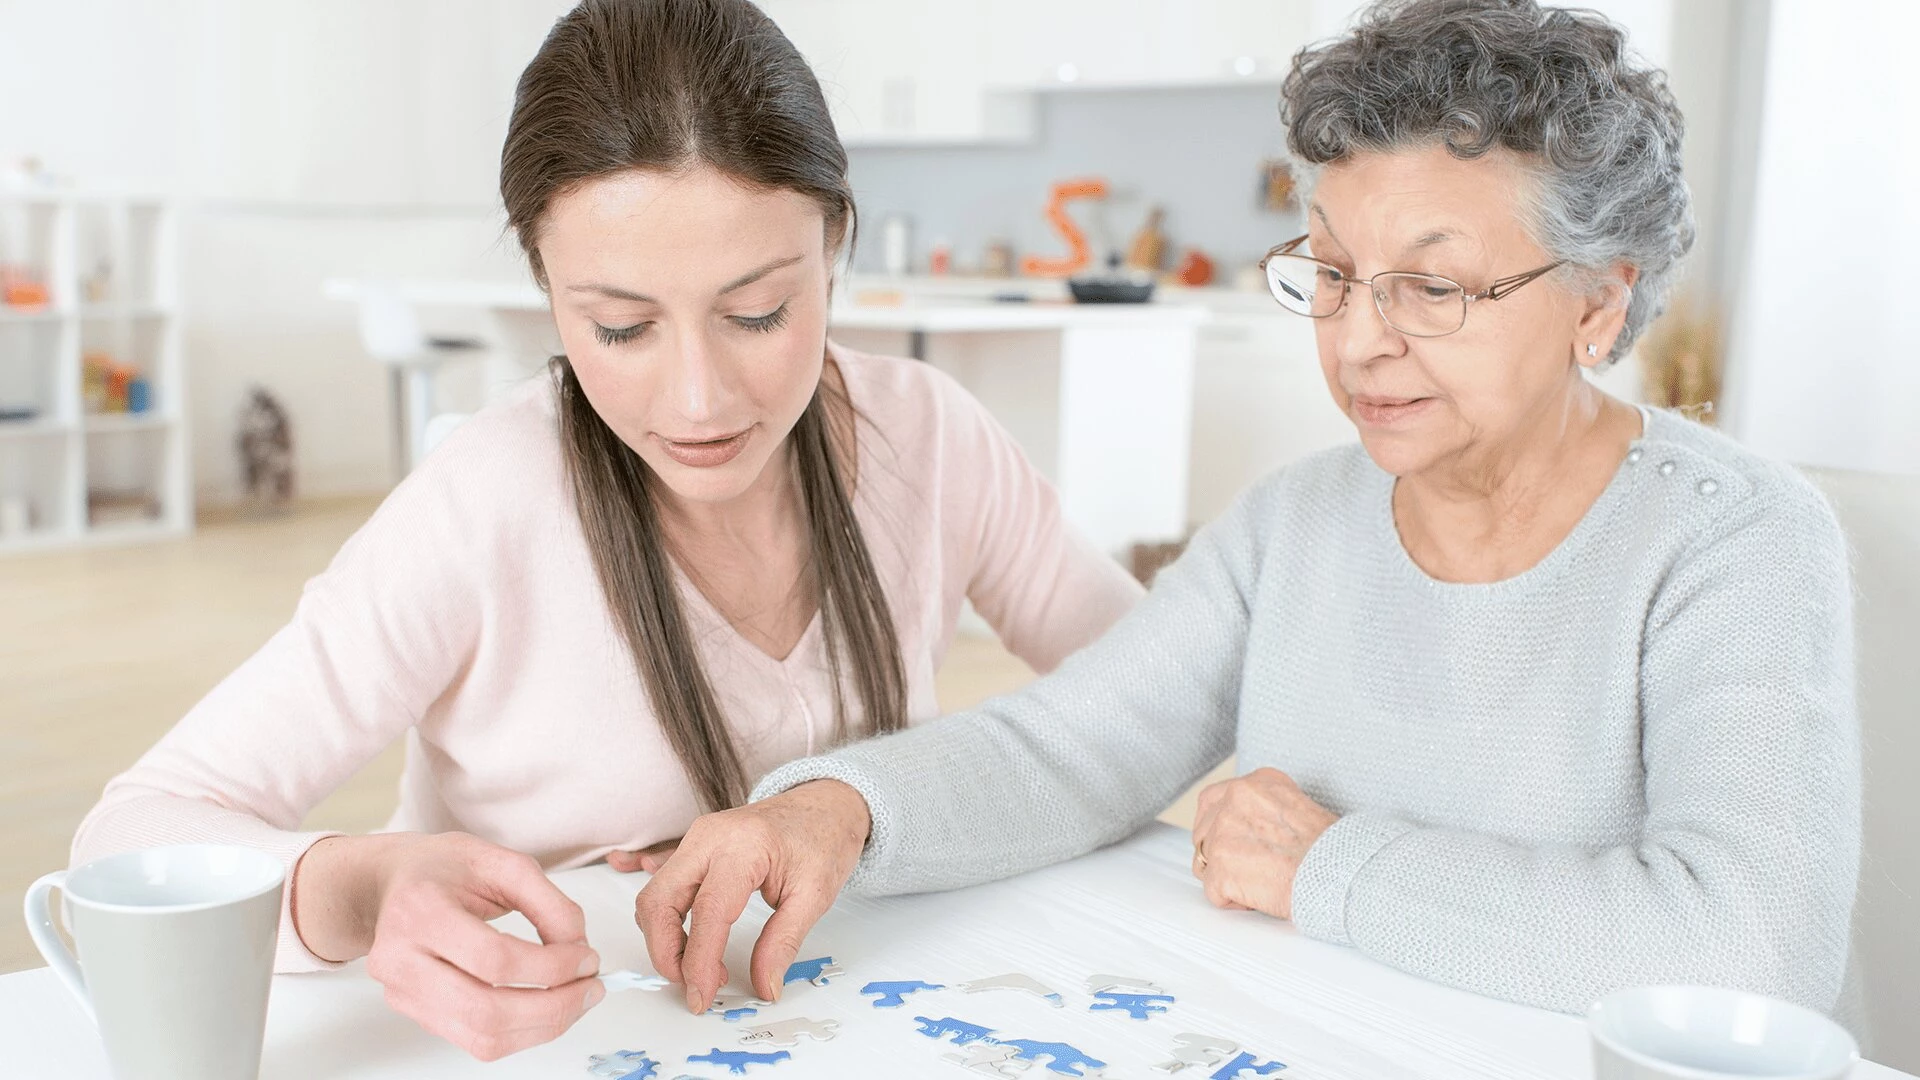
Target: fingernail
pixel 590 966
pixel 693 1001
pixel 596 994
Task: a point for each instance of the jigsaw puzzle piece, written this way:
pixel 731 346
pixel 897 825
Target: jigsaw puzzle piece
pixel 962 1032
pixel 1138 1006
pixel 623 1065
pixel 989 1058
pixel 736 1061
pixel 892 995
pixel 734 1006
pixel 1062 1058
pixel 632 980
pixel 788 1032
pixel 1190 1049
pixel 1247 1063
pixel 1100 984
pixel 1016 981
pixel 816 971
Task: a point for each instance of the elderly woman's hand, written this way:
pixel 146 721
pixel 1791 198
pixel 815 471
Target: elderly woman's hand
pixel 1249 837
pixel 795 849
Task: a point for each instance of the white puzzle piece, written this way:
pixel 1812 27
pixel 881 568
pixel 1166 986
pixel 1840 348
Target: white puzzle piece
pixel 1100 984
pixel 1016 981
pixel 991 1059
pixel 788 1032
pixel 632 980
pixel 1190 1049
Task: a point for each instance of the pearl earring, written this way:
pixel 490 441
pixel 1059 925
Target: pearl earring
pixel 1592 349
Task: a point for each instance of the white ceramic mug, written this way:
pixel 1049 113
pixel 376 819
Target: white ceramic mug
pixel 1704 1033
pixel 175 956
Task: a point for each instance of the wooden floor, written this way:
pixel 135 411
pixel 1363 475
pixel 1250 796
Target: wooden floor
pixel 100 651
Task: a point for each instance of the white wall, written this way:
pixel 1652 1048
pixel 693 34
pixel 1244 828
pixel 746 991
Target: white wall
pixel 1824 364
pixel 351 137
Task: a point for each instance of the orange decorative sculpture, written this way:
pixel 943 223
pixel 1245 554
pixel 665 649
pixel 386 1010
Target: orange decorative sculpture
pixel 1078 254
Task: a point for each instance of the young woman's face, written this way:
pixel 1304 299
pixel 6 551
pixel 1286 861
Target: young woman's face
pixel 694 312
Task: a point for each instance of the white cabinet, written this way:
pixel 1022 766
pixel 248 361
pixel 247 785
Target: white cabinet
pixel 902 72
pixel 1140 43
pixel 914 71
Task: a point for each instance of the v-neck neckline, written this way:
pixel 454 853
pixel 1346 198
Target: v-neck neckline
pixel 814 627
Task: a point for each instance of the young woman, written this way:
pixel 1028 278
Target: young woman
pixel 711 542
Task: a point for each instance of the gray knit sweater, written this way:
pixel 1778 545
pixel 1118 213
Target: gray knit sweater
pixel 1637 762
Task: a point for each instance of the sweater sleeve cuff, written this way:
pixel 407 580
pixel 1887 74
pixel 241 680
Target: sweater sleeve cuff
pixel 1326 875
pixel 880 846
pixel 291 954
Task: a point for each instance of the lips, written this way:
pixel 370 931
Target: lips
pixel 705 453
pixel 1377 410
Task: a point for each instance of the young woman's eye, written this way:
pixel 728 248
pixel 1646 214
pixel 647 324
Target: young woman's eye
pixel 616 335
pixel 764 324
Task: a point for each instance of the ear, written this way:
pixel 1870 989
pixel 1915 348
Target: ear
pixel 1604 315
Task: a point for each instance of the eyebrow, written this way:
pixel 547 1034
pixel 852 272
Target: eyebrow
pixel 741 282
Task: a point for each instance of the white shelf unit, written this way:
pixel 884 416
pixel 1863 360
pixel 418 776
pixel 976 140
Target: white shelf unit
pixel 55 462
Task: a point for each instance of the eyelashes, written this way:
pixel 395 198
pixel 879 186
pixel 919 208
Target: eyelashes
pixel 758 324
pixel 763 324
pixel 617 335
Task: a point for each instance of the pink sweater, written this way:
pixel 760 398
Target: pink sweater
pixel 466 615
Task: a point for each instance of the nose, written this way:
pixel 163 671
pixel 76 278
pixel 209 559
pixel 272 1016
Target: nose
pixel 693 382
pixel 1360 333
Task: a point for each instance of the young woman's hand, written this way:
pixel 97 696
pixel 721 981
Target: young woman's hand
pixel 417 906
pixel 796 849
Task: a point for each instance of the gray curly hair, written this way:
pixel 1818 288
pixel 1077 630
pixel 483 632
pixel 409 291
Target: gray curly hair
pixel 1598 131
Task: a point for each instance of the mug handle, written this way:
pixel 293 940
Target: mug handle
pixel 47 939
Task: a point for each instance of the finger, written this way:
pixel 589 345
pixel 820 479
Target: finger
pixel 517 881
pixel 655 857
pixel 488 1022
pixel 625 862
pixel 661 912
pixel 722 897
pixel 781 938
pixel 501 959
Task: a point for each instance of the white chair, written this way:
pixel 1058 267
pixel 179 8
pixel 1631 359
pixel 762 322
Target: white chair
pixel 1881 516
pixel 391 333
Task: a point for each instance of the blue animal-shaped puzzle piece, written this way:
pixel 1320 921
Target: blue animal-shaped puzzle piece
pixel 1065 1060
pixel 816 971
pixel 1137 1006
pixel 962 1032
pixel 894 994
pixel 736 1061
pixel 623 1065
pixel 1247 1063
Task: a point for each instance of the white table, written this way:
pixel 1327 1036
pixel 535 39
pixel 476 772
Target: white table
pixel 1099 395
pixel 1130 910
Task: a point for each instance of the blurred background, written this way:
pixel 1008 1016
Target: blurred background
pixel 252 266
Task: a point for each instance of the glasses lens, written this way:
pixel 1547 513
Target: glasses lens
pixel 1420 305
pixel 1303 286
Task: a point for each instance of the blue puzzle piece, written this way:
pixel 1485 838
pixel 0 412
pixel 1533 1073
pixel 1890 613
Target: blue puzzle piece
pixel 962 1032
pixel 1246 1063
pixel 1065 1059
pixel 815 971
pixel 894 994
pixel 1134 1005
pixel 623 1065
pixel 737 1061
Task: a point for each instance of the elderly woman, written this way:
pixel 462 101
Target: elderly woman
pixel 1537 693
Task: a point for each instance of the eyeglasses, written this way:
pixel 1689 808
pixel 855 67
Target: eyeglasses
pixel 1417 305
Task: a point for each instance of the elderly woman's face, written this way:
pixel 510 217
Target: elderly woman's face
pixel 1425 402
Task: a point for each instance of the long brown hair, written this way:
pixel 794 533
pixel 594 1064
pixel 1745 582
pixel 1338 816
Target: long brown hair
pixel 666 85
